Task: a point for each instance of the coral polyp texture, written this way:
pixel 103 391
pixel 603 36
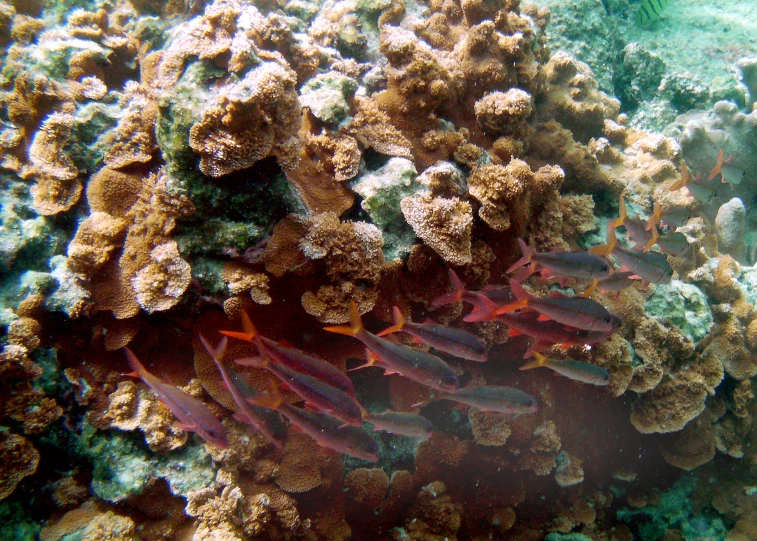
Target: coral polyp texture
pixel 408 216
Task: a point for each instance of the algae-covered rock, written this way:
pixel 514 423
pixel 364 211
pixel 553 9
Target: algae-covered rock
pixel 123 466
pixel 328 96
pixel 382 190
pixel 683 304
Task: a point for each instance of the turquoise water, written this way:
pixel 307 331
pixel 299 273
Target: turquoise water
pixel 300 215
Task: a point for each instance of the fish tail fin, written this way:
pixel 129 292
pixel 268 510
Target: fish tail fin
pixel 621 213
pixel 589 291
pixel 272 400
pixel 655 217
pixel 718 165
pixel 486 310
pixel 134 363
pixel 399 322
pixel 684 180
pixel 653 240
pixel 247 325
pixel 539 360
pixel 518 291
pixel 217 352
pixel 354 328
pixel 458 289
pixel 527 254
pixel 612 240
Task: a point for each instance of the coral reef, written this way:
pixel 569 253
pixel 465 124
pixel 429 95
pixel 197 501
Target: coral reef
pixel 213 182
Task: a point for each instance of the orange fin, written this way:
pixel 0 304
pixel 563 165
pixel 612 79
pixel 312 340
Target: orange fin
pixel 542 317
pixel 718 165
pixel 239 335
pixel 356 325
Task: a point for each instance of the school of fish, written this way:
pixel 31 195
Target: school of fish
pixel 332 415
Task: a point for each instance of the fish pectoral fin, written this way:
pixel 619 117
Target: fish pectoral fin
pixel 187 427
pixel 313 408
pixel 512 333
pixel 542 317
pixel 388 372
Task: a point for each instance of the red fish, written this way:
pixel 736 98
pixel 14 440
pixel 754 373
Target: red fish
pixel 327 431
pixel 546 333
pixel 411 425
pixel 417 365
pixel 193 415
pixel 579 264
pixel 294 358
pixel 498 399
pixel 240 392
pixel 577 312
pixel 318 394
pixel 457 342
pixel 459 293
pixel 651 267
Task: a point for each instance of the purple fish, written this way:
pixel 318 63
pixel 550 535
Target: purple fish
pixel 457 342
pixel 404 424
pixel 417 365
pixel 240 392
pixel 193 415
pixel 497 399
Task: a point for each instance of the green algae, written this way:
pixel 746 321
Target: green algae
pixel 685 305
pixel 123 466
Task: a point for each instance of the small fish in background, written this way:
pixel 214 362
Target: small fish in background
pixel 327 431
pixel 317 394
pixel 636 229
pixel 702 190
pixel 459 293
pixel 651 267
pixel 674 216
pixel 674 244
pixel 293 357
pixel 578 312
pixel 266 421
pixel 575 370
pixel 411 363
pixel 576 264
pixel 728 172
pixel 617 281
pixel 411 425
pixel 498 399
pixel 193 414
pixel 650 11
pixel 457 342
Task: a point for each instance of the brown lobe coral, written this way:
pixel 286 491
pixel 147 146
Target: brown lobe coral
pixel 247 121
pixel 20 459
pixel 444 224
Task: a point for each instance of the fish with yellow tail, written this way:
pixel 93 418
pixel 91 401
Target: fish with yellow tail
pixel 327 431
pixel 564 265
pixel 265 421
pixel 457 342
pixel 700 189
pixel 651 267
pixel 400 423
pixel 193 415
pixel 575 370
pixel 419 366
pixel 459 293
pixel 578 312
pixel 496 399
pixel 673 216
pixel 292 357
